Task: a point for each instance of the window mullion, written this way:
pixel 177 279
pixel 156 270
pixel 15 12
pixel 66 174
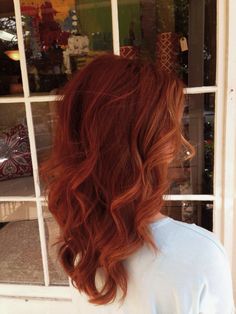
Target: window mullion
pixel 115 27
pixel 33 150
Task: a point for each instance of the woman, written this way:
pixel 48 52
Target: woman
pixel 118 130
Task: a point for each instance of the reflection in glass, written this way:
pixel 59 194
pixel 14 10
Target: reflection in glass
pixel 15 158
pixel 200 213
pixel 177 35
pixel 56 273
pixel 10 75
pixel 196 176
pixel 43 118
pixel 20 254
pixel 61 37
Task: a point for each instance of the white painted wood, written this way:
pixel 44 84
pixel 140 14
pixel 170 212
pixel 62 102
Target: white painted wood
pixel 225 131
pixel 38 98
pixel 33 291
pixel 234 237
pixel 44 98
pixel 230 132
pixel 29 306
pixel 115 27
pixel 200 90
pixel 170 197
pixel 10 100
pixel 21 48
pixel 17 198
pixel 219 116
pixel 189 197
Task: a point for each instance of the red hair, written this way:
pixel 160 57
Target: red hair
pixel 118 129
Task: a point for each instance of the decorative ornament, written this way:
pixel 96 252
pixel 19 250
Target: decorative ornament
pixel 167 51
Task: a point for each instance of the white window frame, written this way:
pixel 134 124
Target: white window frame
pixel 224 219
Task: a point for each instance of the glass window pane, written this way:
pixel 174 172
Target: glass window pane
pixel 178 35
pixel 196 176
pixel 56 273
pixel 61 36
pixel 10 74
pixel 43 122
pixel 20 254
pixel 43 118
pixel 200 213
pixel 15 159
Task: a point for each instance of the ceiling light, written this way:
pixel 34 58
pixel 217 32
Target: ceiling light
pixel 13 54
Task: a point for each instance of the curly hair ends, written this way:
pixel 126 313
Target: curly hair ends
pixel 118 129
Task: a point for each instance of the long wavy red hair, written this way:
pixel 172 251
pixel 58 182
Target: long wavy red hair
pixel 118 129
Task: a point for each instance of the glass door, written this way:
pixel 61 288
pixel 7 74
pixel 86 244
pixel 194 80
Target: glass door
pixel 42 43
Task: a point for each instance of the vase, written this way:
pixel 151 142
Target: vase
pixel 130 52
pixel 167 52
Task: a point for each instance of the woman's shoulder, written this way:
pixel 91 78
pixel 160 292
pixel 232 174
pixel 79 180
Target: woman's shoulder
pixel 201 234
pixel 188 238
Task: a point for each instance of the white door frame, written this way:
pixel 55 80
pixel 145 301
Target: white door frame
pixel 224 218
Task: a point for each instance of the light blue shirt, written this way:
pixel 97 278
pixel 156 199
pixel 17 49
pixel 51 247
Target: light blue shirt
pixel 190 274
